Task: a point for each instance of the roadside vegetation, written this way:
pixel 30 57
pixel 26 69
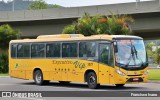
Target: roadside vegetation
pixel 153 55
pixel 7 33
pixel 4 74
pixel 41 4
pixel 154 74
pixel 101 24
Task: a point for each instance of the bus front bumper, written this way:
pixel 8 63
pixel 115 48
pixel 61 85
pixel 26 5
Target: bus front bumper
pixel 131 79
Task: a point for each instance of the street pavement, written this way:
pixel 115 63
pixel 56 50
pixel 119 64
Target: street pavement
pixel 13 84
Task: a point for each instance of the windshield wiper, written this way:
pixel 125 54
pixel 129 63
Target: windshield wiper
pixel 133 55
pixel 137 56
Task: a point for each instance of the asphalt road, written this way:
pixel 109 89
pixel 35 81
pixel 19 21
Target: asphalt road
pixel 13 84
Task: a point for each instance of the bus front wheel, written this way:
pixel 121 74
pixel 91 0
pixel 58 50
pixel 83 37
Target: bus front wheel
pixel 92 80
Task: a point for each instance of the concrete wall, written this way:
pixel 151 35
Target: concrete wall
pixel 146 24
pixel 35 30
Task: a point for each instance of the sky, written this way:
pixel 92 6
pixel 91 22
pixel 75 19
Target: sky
pixel 75 3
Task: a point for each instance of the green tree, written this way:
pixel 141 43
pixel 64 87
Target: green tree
pixel 158 56
pixel 150 45
pixel 101 24
pixel 7 33
pixel 119 24
pixel 55 6
pixel 41 4
pixel 151 54
pixel 38 4
pixel 3 63
pixel 70 29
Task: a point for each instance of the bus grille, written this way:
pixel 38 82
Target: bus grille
pixel 135 75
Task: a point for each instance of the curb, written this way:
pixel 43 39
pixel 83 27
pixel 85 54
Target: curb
pixel 154 81
pixel 4 76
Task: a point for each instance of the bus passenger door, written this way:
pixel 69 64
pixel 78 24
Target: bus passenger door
pixel 104 53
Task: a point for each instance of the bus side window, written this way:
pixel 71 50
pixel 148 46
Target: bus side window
pixel 23 50
pixel 87 49
pixel 69 49
pixel 20 50
pixel 26 50
pixel 104 53
pixel 13 50
pixel 38 50
pixel 53 50
pixel 111 59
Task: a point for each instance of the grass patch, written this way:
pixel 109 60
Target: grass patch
pixel 3 74
pixel 154 74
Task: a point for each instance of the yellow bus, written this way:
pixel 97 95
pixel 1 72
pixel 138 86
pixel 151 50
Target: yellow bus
pixel 97 59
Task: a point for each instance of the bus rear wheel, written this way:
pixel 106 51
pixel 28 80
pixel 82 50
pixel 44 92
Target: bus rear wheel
pixel 92 80
pixel 38 78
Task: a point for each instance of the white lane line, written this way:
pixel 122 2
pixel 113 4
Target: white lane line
pixel 68 88
pixel 8 84
pixel 4 76
pixel 32 98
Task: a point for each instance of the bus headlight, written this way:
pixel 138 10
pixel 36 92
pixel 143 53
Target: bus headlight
pixel 120 73
pixel 146 72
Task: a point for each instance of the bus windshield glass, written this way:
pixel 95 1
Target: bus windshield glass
pixel 131 52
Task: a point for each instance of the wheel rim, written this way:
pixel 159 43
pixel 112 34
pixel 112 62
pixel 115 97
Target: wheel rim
pixel 92 80
pixel 38 78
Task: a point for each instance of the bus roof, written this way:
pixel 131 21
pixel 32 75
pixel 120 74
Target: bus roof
pixel 72 37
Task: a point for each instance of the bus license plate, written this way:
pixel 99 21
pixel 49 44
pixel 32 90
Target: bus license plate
pixel 135 79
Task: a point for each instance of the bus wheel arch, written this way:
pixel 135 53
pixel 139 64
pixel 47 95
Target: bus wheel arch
pixel 36 70
pixel 88 74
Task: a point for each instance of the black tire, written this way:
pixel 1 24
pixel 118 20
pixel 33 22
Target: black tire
pixel 120 85
pixel 38 77
pixel 92 80
pixel 64 82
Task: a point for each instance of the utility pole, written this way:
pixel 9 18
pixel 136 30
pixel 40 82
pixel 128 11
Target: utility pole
pixel 13 5
pixel 137 3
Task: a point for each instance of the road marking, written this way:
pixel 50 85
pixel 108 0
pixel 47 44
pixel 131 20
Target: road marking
pixel 32 98
pixel 4 76
pixel 8 84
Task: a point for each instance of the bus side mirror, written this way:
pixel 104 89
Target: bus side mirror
pixel 115 46
pixel 147 64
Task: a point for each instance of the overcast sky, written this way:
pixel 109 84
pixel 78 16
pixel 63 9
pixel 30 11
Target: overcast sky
pixel 74 3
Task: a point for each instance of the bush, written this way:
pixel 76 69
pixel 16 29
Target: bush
pixel 4 63
pixel 100 24
pixel 7 33
pixel 70 29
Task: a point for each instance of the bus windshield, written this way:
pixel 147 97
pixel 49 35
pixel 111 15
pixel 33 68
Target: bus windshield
pixel 131 53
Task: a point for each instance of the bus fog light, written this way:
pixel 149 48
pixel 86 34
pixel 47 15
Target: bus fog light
pixel 146 72
pixel 120 73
